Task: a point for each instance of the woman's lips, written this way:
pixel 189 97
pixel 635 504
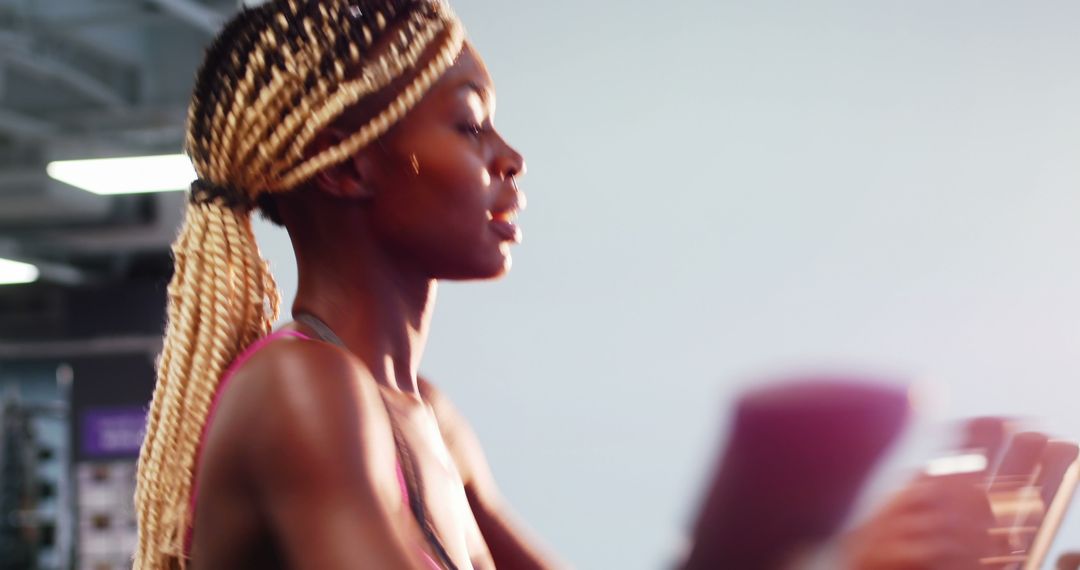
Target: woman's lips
pixel 506 229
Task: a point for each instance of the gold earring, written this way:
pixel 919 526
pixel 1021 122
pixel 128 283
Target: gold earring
pixel 415 164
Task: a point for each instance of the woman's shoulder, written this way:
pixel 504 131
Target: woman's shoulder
pixel 298 364
pixel 298 391
pixel 317 454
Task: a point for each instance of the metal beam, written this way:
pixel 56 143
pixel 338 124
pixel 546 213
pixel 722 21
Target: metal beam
pixel 121 17
pixel 62 273
pixel 144 344
pixel 21 179
pixel 131 118
pixel 72 77
pixel 195 14
pixel 146 130
pixel 52 271
pixel 25 127
pixel 103 77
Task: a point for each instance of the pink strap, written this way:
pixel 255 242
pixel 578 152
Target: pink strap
pixel 401 482
pixel 240 361
pixel 225 378
pixel 434 565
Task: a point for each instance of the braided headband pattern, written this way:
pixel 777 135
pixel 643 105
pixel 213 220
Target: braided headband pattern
pixel 260 146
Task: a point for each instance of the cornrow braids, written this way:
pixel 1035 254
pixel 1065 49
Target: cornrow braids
pixel 274 77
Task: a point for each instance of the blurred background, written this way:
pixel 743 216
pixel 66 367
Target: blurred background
pixel 719 193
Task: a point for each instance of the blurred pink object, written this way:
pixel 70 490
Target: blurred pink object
pixel 798 454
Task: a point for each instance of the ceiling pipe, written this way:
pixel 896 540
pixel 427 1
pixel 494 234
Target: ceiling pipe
pixel 195 14
pixel 24 127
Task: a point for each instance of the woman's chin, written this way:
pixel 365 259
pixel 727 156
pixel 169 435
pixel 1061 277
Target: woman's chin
pixel 487 268
pixel 499 265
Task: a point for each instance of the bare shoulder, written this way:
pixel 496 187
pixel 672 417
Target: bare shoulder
pixel 311 402
pixel 318 455
pixel 309 369
pixel 308 379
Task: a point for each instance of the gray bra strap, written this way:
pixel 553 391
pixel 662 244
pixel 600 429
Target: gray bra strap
pixel 320 327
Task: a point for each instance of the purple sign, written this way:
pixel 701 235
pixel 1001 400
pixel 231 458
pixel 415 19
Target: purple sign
pixel 111 432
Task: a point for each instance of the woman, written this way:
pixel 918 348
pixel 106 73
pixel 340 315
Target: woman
pixel 365 129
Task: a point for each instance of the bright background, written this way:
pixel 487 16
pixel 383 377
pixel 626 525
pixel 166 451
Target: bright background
pixel 720 191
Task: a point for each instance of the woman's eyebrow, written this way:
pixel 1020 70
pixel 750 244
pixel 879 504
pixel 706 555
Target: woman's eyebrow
pixel 485 95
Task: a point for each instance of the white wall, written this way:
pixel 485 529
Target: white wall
pixel 724 189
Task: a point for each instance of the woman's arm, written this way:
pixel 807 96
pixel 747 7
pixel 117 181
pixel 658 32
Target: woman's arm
pixel 511 546
pixel 322 462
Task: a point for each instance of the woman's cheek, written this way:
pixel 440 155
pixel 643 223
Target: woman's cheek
pixel 468 181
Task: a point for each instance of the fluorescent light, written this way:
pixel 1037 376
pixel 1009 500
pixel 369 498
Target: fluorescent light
pixel 132 175
pixel 14 272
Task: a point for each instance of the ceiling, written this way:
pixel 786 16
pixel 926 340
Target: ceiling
pixel 87 79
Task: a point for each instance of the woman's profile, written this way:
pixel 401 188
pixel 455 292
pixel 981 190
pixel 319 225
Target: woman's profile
pixel 365 129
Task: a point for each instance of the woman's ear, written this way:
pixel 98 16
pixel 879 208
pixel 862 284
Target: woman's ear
pixel 346 179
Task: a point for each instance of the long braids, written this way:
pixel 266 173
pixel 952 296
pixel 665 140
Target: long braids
pixel 274 77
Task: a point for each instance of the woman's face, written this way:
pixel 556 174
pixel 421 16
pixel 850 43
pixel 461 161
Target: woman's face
pixel 442 181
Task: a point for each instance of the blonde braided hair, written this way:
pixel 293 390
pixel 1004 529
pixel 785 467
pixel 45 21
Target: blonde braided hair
pixel 274 77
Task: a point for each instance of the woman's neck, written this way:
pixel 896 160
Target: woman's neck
pixel 381 312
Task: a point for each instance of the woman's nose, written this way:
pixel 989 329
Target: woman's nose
pixel 511 164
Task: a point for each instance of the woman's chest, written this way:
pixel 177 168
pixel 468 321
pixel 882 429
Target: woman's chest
pixel 434 492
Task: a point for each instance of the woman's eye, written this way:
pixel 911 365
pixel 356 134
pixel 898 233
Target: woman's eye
pixel 472 129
